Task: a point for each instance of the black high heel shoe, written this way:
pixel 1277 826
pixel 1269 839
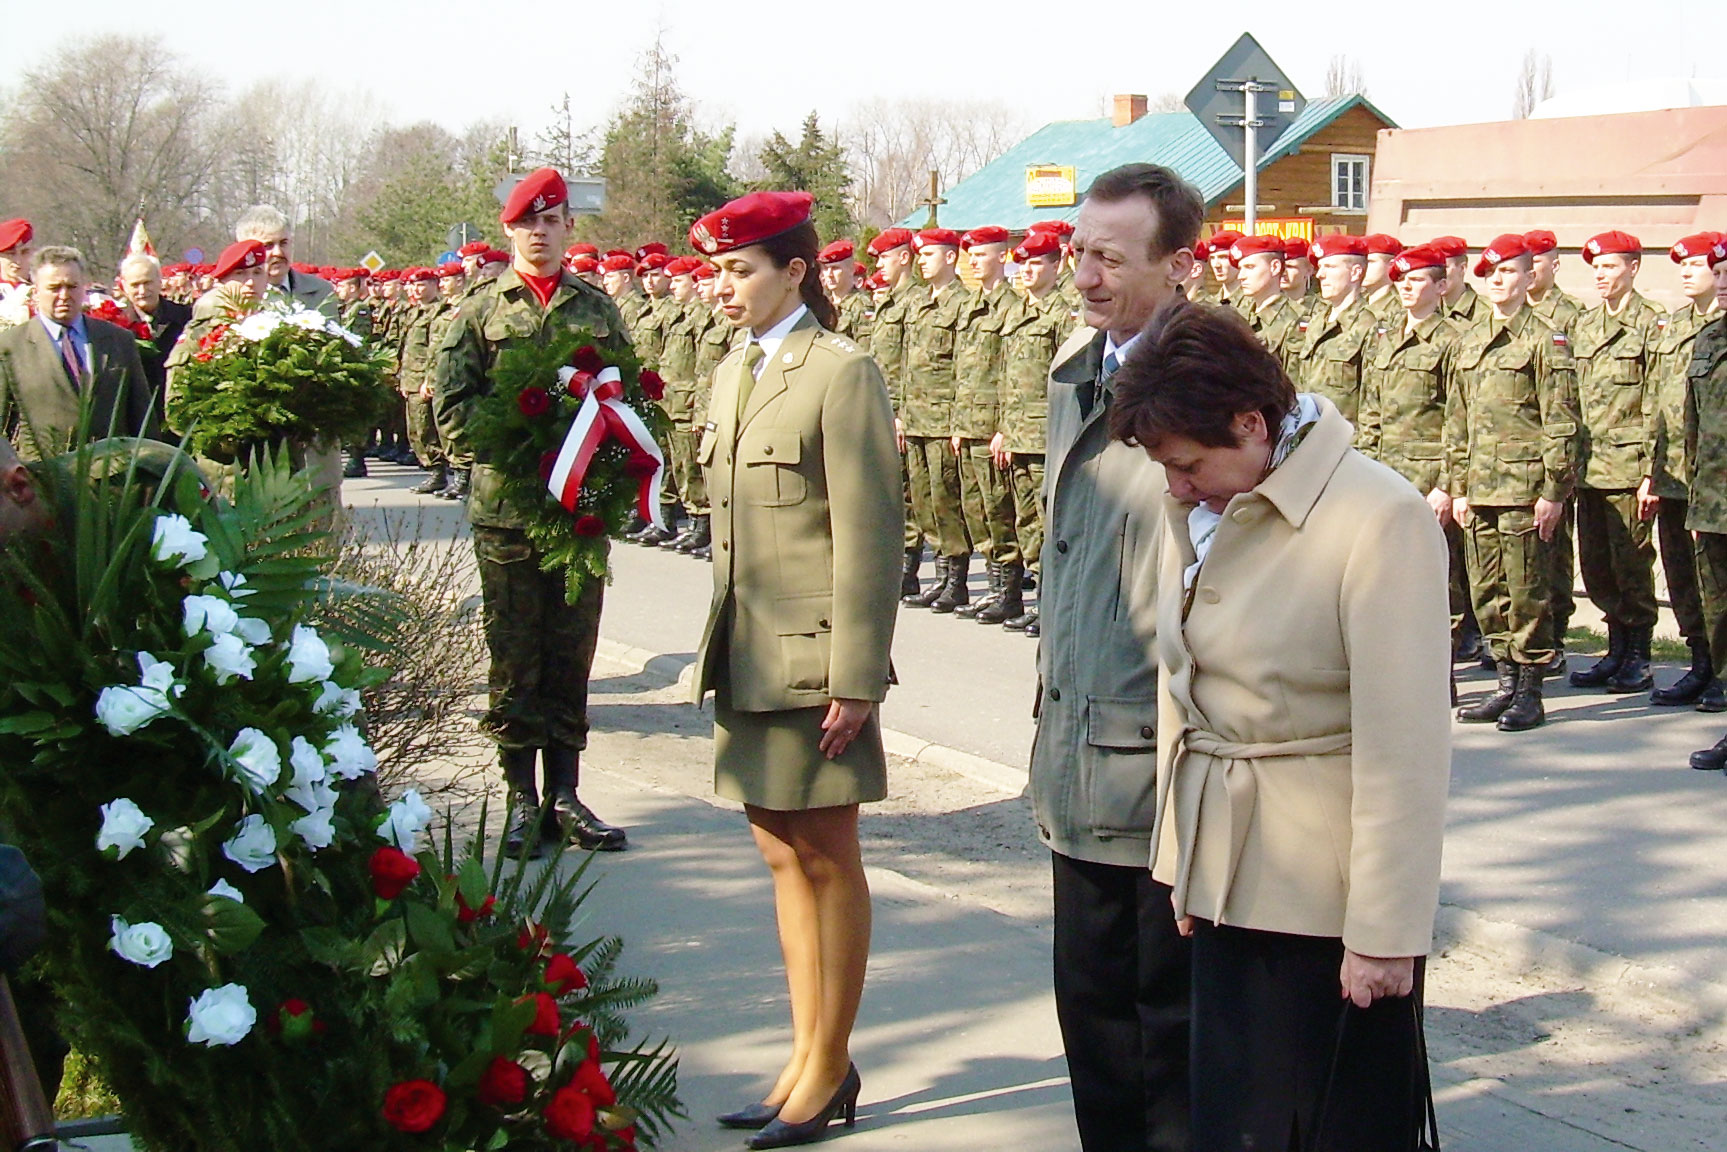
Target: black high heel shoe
pixel 779 1134
pixel 754 1117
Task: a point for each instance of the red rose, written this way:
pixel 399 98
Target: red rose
pixel 653 385
pixel 294 1021
pixel 590 1079
pixel 570 1115
pixel 587 359
pixel 504 1084
pixel 626 1137
pixel 201 357
pixel 533 939
pixel 545 1016
pixel 563 976
pixel 590 525
pixel 467 915
pixel 546 463
pixel 413 1105
pixel 392 870
pixel 533 402
pixel 640 466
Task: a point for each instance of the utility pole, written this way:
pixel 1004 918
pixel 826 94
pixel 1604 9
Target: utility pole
pixel 1250 124
pixel 935 199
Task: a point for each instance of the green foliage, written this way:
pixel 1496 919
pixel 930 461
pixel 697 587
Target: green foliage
pixel 815 164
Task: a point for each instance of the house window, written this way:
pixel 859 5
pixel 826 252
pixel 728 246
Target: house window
pixel 1349 182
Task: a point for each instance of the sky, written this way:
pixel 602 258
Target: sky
pixel 764 65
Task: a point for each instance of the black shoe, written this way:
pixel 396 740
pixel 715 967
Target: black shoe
pixel 1713 698
pixel 1689 688
pixel 1604 669
pixel 755 1117
pixel 991 594
pixel 925 598
pixel 1554 667
pixel 1010 605
pixel 1711 759
pixel 676 543
pixel 353 466
pixel 434 481
pixel 958 590
pixel 523 838
pixel 1033 629
pixel 1493 706
pixel 457 488
pixel 652 536
pixel 1022 622
pixel 779 1134
pixel 1030 584
pixel 585 830
pixel 701 535
pixel 1633 674
pixel 705 552
pixel 1525 710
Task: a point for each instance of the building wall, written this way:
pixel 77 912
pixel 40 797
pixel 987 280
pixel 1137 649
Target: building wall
pixel 1299 185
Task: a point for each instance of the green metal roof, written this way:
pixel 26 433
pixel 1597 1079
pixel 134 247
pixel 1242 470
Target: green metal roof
pixel 995 193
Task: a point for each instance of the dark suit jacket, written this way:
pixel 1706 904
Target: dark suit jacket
pixel 165 328
pixel 39 409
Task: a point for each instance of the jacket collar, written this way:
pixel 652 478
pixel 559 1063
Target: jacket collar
pixel 787 359
pixel 1294 486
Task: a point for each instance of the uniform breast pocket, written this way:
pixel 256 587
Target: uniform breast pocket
pixel 1627 367
pixel 805 627
pixel 768 468
pixel 503 326
pixel 705 449
pixel 1421 359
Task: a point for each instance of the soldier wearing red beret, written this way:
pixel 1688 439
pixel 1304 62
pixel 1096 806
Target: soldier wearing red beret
pixel 854 315
pixel 648 332
pixel 1298 275
pixel 1545 296
pixel 1462 302
pixel 684 320
pixel 1706 464
pixel 1259 262
pixel 1331 350
pixel 1222 287
pixel 1376 287
pixel 541 647
pixel 897 299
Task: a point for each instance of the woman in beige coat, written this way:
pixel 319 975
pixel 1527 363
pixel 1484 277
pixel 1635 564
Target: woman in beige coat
pixel 803 478
pixel 1305 751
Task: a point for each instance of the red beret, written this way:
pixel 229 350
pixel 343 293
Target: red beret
pixel 493 256
pixel 988 234
pixel 652 248
pixel 351 273
pixel 704 271
pixel 1060 227
pixel 750 220
pixel 621 263
pixel 418 275
pixel 859 268
pixel 452 269
pixel 1540 241
pixel 1253 246
pixel 1612 244
pixel 584 264
pixel 835 252
pixel 14 233
pixel 1201 250
pixel 473 248
pixel 652 262
pixel 327 271
pixel 1039 243
pixel 889 240
pixel 303 269
pixel 539 190
pixel 239 256
pixel 582 248
pixel 1718 252
pixel 1420 256
pixel 1336 244
pixel 1295 248
pixel 876 283
pixel 610 252
pixel 1380 244
pixel 683 266
pixel 934 237
pixel 1222 239
pixel 1450 247
pixel 1506 247
pixel 1697 245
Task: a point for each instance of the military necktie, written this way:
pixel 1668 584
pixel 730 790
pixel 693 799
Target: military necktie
pixel 753 357
pixel 69 357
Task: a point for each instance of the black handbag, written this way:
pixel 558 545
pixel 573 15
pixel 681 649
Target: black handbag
pixel 1379 1093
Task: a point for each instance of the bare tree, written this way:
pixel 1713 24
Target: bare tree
pixel 1534 84
pixel 1167 102
pixel 893 146
pixel 1344 77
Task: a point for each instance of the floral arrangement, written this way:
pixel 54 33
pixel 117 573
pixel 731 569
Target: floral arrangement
pixel 272 373
pixel 254 948
pixel 574 435
pixel 104 308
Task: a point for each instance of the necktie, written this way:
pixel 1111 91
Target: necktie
pixel 753 357
pixel 1088 399
pixel 69 357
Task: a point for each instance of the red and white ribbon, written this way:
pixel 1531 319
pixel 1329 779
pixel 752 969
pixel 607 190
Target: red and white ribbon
pixel 604 415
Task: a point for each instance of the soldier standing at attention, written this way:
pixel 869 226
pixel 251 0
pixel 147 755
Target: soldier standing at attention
pixel 1199 288
pixel 892 250
pixel 1298 275
pixel 1329 359
pixel 678 367
pixel 1228 290
pixel 1706 454
pixel 1665 489
pixel 985 499
pixel 851 306
pixel 1376 287
pixel 542 647
pixel 1563 312
pixel 618 277
pixel 1462 302
pixel 415 379
pixel 1612 344
pixel 1511 444
pixel 926 413
pixel 1259 275
pixel 648 334
pixel 1553 303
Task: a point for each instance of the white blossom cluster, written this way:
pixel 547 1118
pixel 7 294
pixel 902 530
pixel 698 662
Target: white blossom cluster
pixel 272 316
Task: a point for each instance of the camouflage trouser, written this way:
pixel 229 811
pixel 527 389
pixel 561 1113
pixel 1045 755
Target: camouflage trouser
pixel 542 648
pixel 423 432
pixel 1459 576
pixel 689 478
pixel 1616 551
pixel 1510 576
pixel 1025 476
pixel 670 490
pixel 1710 549
pixel 1679 563
pixel 913 531
pixel 934 473
pixel 988 503
pixel 1562 573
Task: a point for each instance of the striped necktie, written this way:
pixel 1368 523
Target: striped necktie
pixel 69 357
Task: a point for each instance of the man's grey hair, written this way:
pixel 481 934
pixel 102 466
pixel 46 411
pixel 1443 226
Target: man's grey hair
pixel 261 221
pixel 140 261
pixel 58 255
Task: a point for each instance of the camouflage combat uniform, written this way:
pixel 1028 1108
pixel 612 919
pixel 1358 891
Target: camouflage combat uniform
pixel 926 410
pixel 1706 452
pixel 1330 357
pixel 986 500
pixel 1033 334
pixel 1664 420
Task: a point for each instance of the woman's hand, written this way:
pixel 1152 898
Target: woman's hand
pixel 1369 978
pixel 841 725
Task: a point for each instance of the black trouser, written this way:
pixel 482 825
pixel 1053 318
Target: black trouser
pixel 1122 990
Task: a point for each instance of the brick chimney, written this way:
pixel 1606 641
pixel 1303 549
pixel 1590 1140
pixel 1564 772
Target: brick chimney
pixel 1128 109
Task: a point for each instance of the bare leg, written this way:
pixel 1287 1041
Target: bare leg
pixel 795 910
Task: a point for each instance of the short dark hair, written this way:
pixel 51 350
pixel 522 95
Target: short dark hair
pixel 1180 208
pixel 1192 371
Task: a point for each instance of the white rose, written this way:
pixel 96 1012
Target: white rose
pixel 309 787
pixel 210 614
pixel 124 710
pixel 124 826
pixel 229 657
pixel 308 656
pixel 335 700
pixel 145 943
pixel 258 325
pixel 158 676
pixel 350 756
pixel 316 828
pixel 257 757
pixel 253 847
pixel 405 820
pixel 252 631
pixel 235 584
pixel 223 888
pixel 174 541
pixel 220 1016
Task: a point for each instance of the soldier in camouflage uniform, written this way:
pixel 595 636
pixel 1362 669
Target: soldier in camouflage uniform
pixel 353 312
pixel 678 367
pixel 712 345
pixel 542 648
pixel 892 250
pixel 1511 445
pixel 414 378
pixel 1665 487
pixel 1552 302
pixel 1563 312
pixel 1612 344
pixel 648 334
pixel 1259 275
pixel 1463 304
pixel 1706 457
pixel 1377 290
pixel 1328 361
pixel 1224 288
pixel 926 414
pixel 986 500
pixel 851 307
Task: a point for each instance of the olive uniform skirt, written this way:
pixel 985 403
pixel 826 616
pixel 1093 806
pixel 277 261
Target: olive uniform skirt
pixel 774 760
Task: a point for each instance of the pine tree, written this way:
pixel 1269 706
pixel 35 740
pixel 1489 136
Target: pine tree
pixel 815 164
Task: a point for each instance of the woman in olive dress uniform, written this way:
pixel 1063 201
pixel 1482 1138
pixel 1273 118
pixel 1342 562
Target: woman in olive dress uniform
pixel 807 523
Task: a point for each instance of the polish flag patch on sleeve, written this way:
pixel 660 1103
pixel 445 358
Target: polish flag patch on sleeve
pixel 1559 340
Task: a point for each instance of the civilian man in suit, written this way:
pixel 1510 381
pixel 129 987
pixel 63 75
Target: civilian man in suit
pixel 141 282
pixel 269 227
pixel 61 366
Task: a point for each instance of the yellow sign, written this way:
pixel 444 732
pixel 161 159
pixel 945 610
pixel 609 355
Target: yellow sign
pixel 1288 227
pixel 1050 186
pixel 372 262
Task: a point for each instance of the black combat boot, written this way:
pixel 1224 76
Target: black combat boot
pixel 434 481
pixel 1633 674
pixel 457 488
pixel 958 589
pixel 908 581
pixel 1714 699
pixel 1011 603
pixel 677 542
pixel 522 836
pixel 353 464
pixel 576 820
pixel 929 595
pixel 1525 710
pixel 1689 688
pixel 1608 666
pixel 1493 705
pixel 701 535
pixel 1466 647
pixel 992 593
pixel 1712 759
pixel 1023 622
